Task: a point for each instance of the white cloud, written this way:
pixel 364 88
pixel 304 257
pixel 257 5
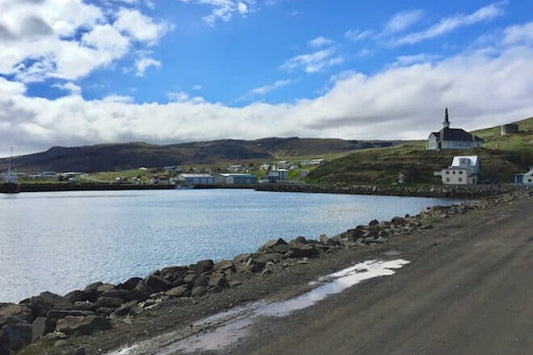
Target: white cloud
pixel 481 88
pixel 68 39
pixel 224 10
pixel 70 87
pixel 449 24
pixel 403 20
pixel 519 33
pixel 320 42
pixel 140 27
pixel 144 63
pixel 356 35
pixel 313 62
pixel 262 90
pixel 197 87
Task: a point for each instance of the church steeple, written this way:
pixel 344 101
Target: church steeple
pixel 446 122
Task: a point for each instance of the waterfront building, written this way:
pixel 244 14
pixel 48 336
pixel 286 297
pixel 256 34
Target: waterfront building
pixel 525 178
pixel 464 170
pixel 196 179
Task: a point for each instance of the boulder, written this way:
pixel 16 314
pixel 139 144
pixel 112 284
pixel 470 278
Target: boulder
pixel 180 291
pixel 106 311
pixel 198 291
pixel 241 258
pixel 14 336
pixel 115 293
pixel 217 282
pixel 189 279
pixel 126 308
pixel 304 251
pixel 46 301
pixel 111 302
pixel 202 266
pixel 298 240
pixel 85 306
pixel 62 313
pixel 131 283
pixel 82 325
pixel 201 280
pixel 271 244
pixel 140 292
pixel 105 287
pixel 157 283
pixel 373 222
pixel 77 295
pixel 40 327
pixel 224 265
pixel 12 313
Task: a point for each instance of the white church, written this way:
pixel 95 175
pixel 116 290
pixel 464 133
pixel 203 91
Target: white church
pixel 452 138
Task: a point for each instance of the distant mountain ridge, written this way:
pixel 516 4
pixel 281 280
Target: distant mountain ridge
pixel 121 156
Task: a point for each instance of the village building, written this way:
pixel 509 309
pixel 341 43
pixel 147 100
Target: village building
pixel 276 175
pixel 237 179
pixel 525 178
pixel 196 179
pixel 452 138
pixel 463 171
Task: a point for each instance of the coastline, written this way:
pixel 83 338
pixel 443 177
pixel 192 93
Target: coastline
pixel 206 283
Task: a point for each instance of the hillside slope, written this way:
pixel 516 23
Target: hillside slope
pixel 108 157
pixel 501 157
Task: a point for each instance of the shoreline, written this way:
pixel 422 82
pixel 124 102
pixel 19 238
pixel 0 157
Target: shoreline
pixel 438 191
pixel 101 306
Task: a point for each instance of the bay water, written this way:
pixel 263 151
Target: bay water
pixel 61 241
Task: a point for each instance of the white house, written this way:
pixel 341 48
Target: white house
pixel 525 178
pixel 463 171
pixel 452 138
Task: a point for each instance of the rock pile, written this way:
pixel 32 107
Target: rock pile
pixel 99 305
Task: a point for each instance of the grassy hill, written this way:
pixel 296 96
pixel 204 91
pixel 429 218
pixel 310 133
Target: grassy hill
pixel 501 157
pixel 115 157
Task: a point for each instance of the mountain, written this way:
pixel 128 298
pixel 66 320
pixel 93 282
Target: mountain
pixel 109 157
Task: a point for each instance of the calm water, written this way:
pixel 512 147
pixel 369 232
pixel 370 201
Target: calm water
pixel 61 241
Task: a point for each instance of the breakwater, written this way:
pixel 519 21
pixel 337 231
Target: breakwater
pixel 100 306
pixel 467 192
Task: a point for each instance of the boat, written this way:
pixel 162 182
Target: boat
pixel 11 182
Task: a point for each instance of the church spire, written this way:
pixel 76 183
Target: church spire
pixel 446 122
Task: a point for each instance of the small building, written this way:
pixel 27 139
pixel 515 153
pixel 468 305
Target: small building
pixel 196 179
pixel 276 175
pixel 508 129
pixel 160 180
pixel 463 171
pixel 237 179
pixel 525 178
pixel 235 168
pixel 264 166
pixel 452 138
pixel 283 164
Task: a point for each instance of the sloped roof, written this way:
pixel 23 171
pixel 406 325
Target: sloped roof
pixel 472 160
pixel 458 134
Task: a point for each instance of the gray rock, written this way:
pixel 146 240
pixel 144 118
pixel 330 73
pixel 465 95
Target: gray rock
pixel 111 302
pixel 115 293
pixel 373 222
pixel 189 279
pixel 241 258
pixel 14 336
pixel 224 265
pixel 304 251
pixel 126 308
pixel 180 291
pixel 157 283
pixel 12 313
pixel 202 266
pixel 82 325
pixel 62 313
pixel 131 283
pixel 298 240
pixel 141 292
pixel 46 301
pixel 77 295
pixel 40 327
pixel 217 282
pixel 199 291
pixel 105 287
pixel 106 311
pixel 201 280
pixel 85 306
pixel 271 243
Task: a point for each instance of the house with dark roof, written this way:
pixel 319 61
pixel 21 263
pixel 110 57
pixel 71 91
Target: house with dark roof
pixel 452 138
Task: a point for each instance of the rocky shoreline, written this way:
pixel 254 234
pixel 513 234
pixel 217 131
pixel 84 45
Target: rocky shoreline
pixel 53 321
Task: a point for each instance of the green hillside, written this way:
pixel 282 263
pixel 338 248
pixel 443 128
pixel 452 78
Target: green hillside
pixel 501 157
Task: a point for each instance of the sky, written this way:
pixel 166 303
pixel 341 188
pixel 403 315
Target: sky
pixel 80 72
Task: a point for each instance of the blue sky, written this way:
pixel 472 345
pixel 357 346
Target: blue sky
pixel 83 72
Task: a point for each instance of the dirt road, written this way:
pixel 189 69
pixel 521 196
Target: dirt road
pixel 467 290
